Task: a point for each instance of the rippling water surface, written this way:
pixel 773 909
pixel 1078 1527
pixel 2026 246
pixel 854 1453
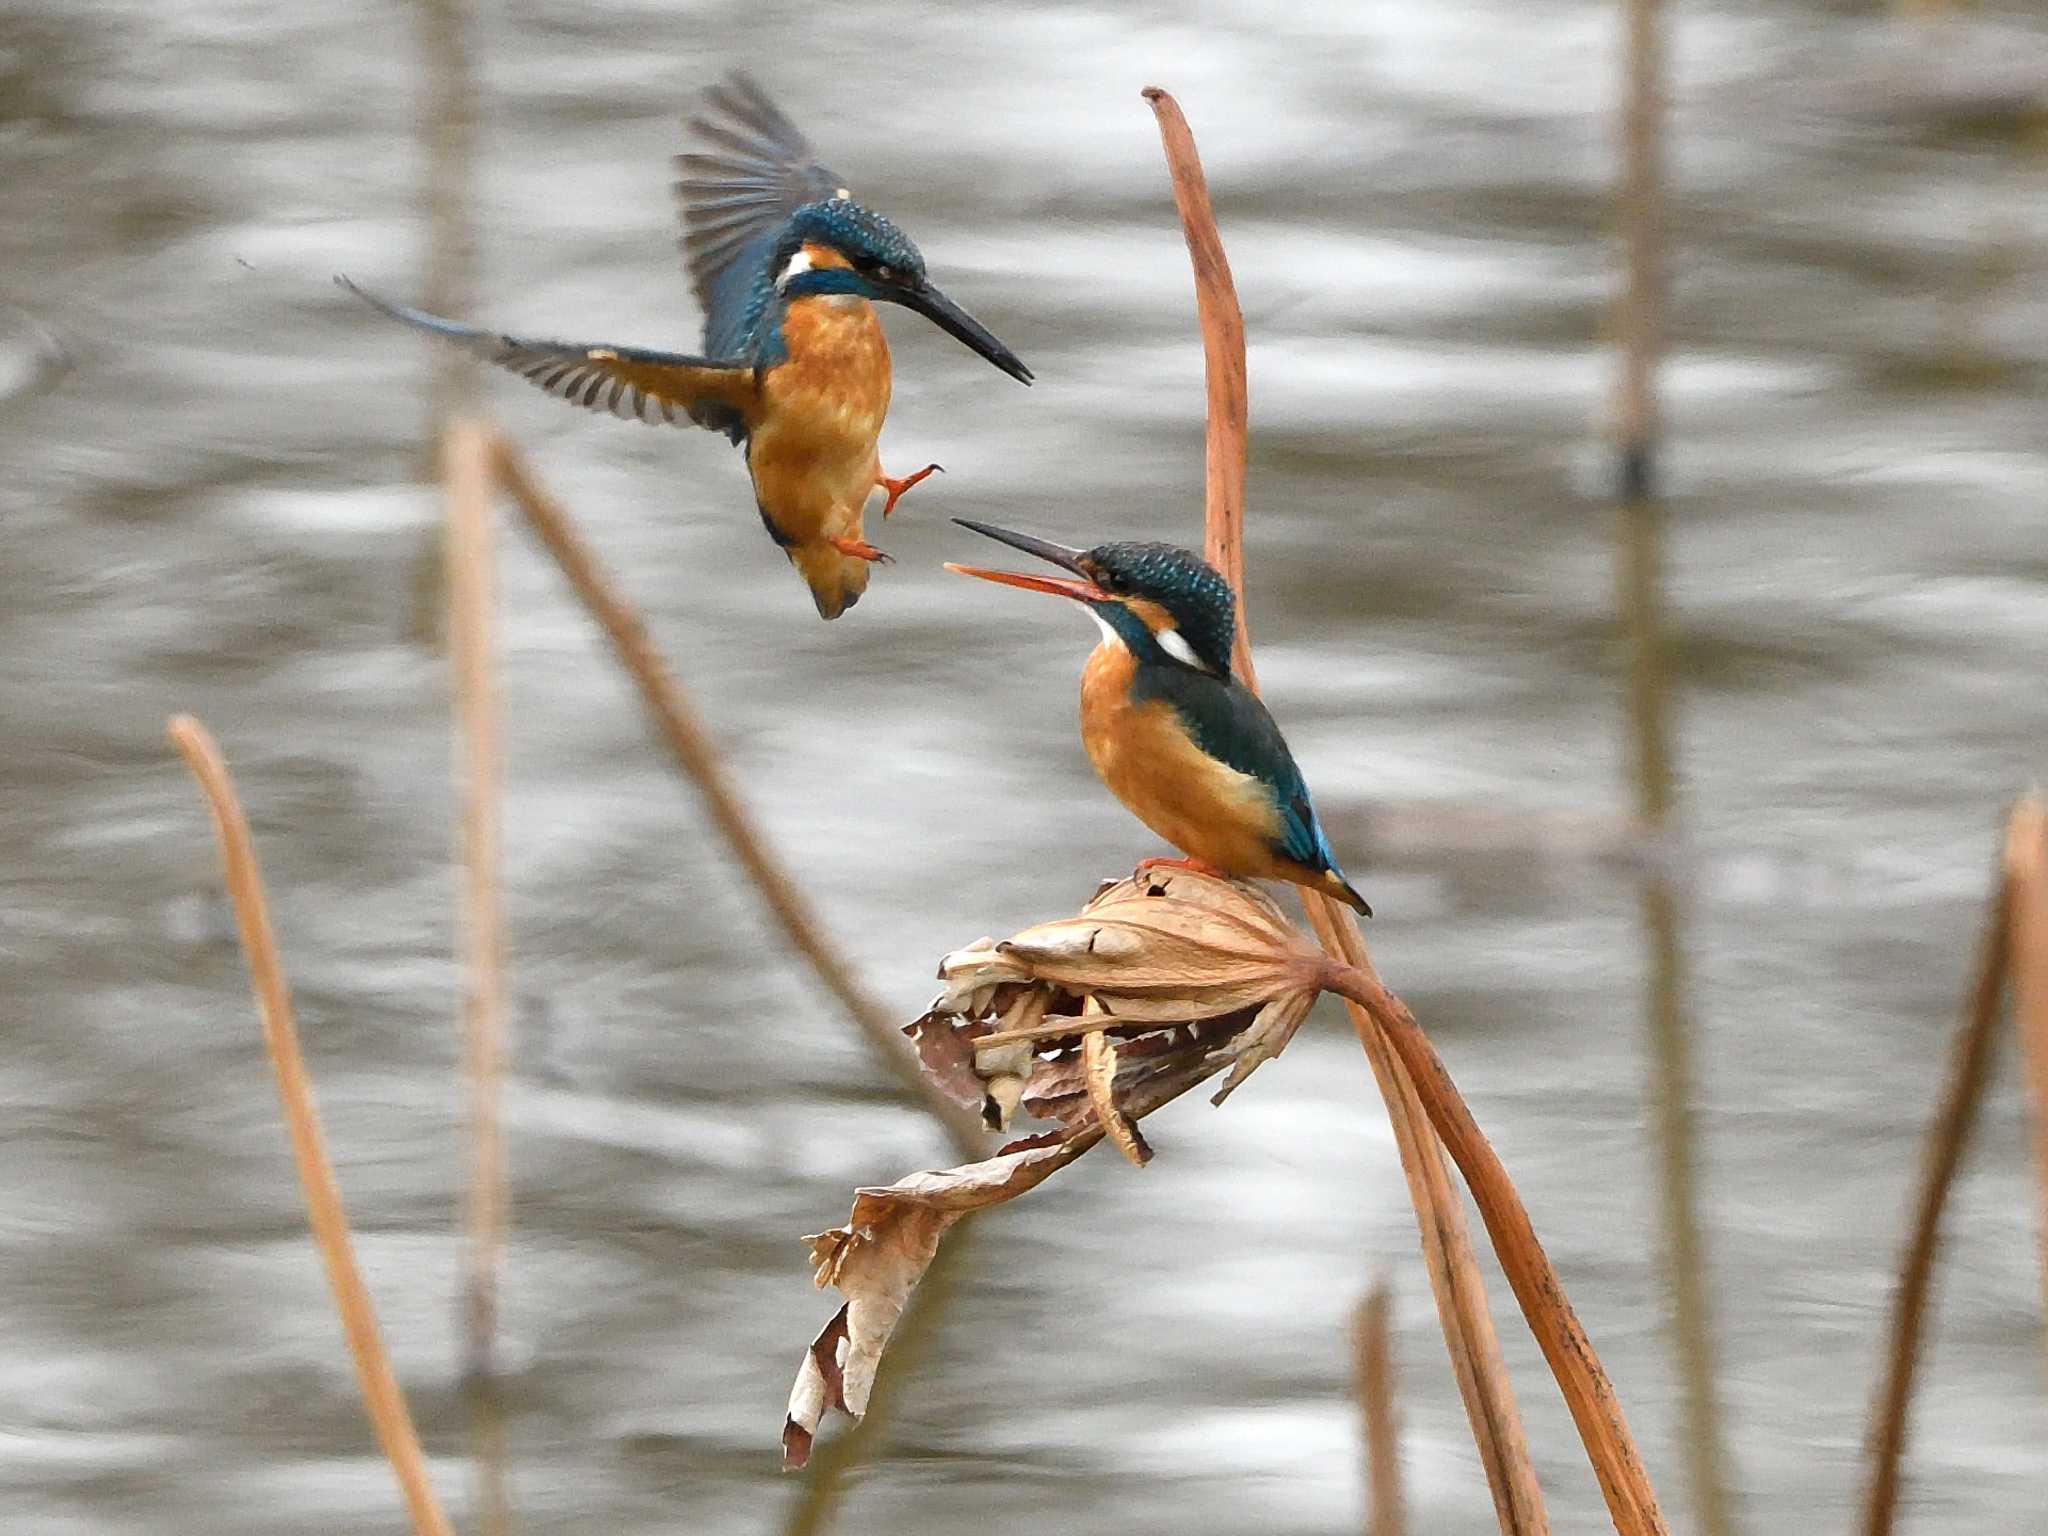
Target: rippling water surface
pixel 211 504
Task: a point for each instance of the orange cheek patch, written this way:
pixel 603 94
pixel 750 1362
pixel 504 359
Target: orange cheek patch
pixel 1156 618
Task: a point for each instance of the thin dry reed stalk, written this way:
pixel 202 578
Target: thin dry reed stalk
pixel 447 195
pixel 382 1400
pixel 2026 853
pixel 1384 1023
pixel 1448 1257
pixel 686 736
pixel 1641 552
pixel 472 606
pixel 447 136
pixel 1947 1136
pixel 1372 1344
pixel 1587 1391
pixel 690 742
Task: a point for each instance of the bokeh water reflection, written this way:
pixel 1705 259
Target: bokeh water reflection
pixel 212 506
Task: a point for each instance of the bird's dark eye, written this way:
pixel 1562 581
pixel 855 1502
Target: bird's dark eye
pixel 886 272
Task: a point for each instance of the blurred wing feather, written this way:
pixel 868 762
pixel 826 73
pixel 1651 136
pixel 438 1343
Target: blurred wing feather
pixel 632 383
pixel 751 171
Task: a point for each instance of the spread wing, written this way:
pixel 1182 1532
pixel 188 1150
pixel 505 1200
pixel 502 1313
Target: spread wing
pixel 630 382
pixel 753 170
pixel 1228 721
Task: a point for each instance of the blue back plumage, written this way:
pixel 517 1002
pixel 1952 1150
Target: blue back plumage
pixel 1230 723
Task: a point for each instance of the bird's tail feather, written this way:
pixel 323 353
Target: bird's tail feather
pixel 1336 885
pixel 836 580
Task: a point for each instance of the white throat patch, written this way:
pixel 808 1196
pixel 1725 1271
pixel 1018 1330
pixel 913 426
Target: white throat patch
pixel 1109 635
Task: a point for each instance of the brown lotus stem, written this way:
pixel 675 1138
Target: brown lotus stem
pixel 1477 1365
pixel 382 1400
pixel 687 738
pixel 1640 539
pixel 2026 851
pixel 472 604
pixel 1373 1378
pixel 1453 1268
pixel 1948 1135
pixel 1587 1391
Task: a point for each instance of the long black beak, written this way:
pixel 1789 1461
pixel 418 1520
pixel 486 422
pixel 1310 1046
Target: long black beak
pixel 1085 590
pixel 955 321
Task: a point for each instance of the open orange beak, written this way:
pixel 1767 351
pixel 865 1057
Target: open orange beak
pixel 1084 590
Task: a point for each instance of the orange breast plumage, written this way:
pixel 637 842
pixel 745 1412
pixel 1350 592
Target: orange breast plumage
pixel 812 451
pixel 1145 755
pixel 835 383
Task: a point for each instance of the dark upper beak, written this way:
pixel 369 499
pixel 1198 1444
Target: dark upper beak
pixel 1085 590
pixel 955 321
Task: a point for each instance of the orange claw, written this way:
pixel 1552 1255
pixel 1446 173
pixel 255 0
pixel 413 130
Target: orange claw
pixel 896 488
pixel 859 548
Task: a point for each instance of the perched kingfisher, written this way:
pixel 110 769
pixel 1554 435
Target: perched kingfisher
pixel 795 368
pixel 1187 747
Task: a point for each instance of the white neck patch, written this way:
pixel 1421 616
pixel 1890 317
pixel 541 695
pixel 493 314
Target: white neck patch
pixel 800 262
pixel 1175 644
pixel 1109 635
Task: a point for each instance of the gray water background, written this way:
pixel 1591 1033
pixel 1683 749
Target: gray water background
pixel 211 504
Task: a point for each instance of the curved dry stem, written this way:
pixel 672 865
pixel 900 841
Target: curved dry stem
pixel 1947 1136
pixel 1448 1256
pixel 472 603
pixel 691 743
pixel 1587 1392
pixel 2026 870
pixel 1453 1268
pixel 382 1400
pixel 1222 319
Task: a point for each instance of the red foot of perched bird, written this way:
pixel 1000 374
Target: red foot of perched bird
pixel 896 488
pixel 859 549
pixel 1196 866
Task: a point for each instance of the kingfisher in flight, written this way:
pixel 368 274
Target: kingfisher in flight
pixel 787 268
pixel 1188 748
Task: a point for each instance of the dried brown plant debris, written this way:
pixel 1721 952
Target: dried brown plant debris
pixel 1088 1023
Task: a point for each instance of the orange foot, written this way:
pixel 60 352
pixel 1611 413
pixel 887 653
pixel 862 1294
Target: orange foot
pixel 860 549
pixel 896 488
pixel 1195 866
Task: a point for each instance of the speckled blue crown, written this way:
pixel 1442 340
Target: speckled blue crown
pixel 1203 606
pixel 856 232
